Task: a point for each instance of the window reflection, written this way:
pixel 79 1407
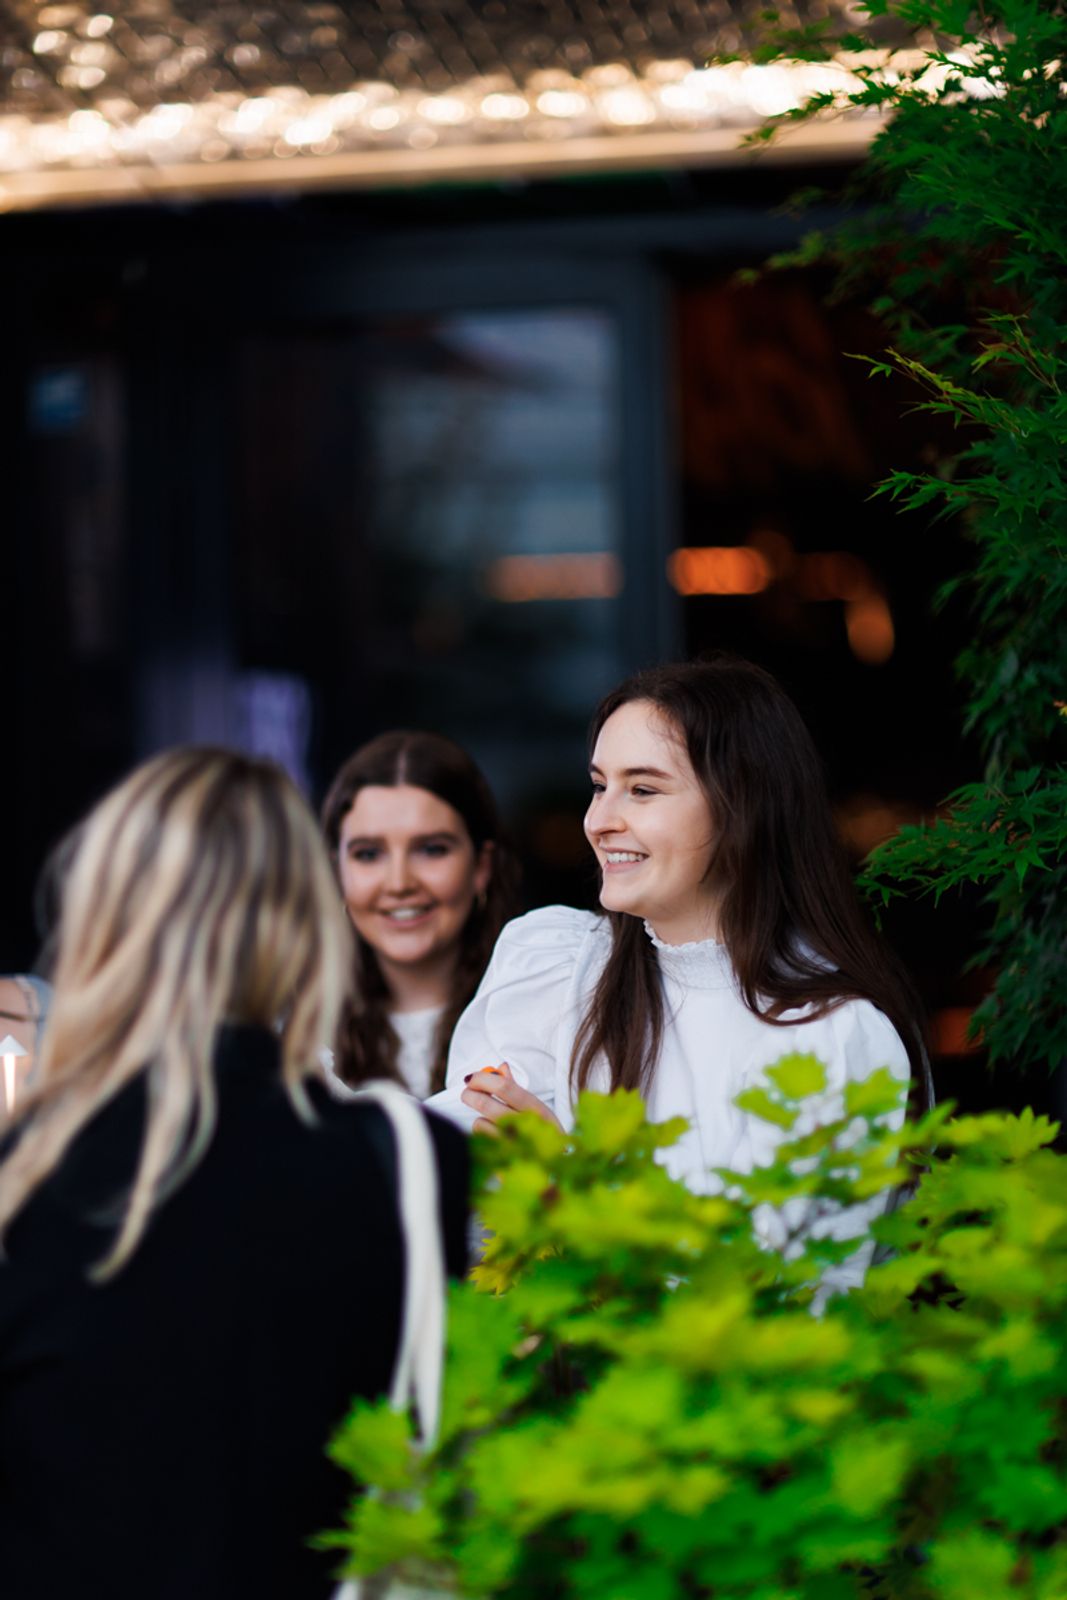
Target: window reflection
pixel 491 529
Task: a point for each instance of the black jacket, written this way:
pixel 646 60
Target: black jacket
pixel 162 1433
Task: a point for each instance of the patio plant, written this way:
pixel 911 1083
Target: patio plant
pixel 957 235
pixel 641 1405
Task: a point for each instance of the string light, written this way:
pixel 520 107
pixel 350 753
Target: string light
pixel 446 109
pixel 505 107
pixel 670 97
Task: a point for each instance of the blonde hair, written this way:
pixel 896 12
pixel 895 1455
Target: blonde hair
pixel 201 893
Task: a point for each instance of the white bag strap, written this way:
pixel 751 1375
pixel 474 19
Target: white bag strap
pixel 420 1354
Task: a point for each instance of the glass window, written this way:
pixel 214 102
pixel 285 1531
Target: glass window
pixel 428 534
pixel 488 489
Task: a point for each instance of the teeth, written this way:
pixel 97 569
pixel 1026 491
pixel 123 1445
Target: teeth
pixel 615 857
pixel 407 913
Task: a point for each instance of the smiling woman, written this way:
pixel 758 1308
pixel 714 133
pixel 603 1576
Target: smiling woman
pixel 428 883
pixel 650 826
pixel 731 936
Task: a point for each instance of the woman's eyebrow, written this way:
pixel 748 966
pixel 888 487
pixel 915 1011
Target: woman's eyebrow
pixel 637 772
pixel 362 840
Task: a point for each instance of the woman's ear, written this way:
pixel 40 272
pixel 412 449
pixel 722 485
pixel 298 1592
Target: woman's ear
pixel 483 870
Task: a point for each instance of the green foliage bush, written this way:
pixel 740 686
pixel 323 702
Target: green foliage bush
pixel 957 234
pixel 641 1404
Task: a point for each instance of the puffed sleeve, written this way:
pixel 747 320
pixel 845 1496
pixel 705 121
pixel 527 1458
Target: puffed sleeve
pixel 853 1041
pixel 523 1002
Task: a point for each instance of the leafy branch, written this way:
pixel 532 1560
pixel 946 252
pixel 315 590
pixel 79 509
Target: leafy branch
pixel 641 1406
pixel 956 233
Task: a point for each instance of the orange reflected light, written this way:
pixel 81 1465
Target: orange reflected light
pixel 865 821
pixel 948 1032
pixel 596 575
pixel 834 575
pixel 869 626
pixel 718 569
pixel 777 550
pixel 823 575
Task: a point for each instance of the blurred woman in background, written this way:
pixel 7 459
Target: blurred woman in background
pixel 26 996
pixel 428 883
pixel 203 1258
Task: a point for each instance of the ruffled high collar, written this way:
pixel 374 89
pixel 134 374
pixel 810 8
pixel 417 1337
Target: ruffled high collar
pixel 700 964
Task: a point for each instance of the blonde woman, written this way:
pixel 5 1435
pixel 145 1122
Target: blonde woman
pixel 202 1252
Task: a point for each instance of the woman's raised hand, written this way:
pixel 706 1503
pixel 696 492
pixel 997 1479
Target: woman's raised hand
pixel 493 1093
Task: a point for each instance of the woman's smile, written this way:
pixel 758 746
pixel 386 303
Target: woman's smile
pixel 406 916
pixel 618 860
pixel 409 874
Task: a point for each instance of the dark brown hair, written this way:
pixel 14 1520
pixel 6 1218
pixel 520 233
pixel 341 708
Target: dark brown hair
pixel 368 1044
pixel 789 915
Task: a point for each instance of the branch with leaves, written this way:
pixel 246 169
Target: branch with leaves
pixel 957 237
pixel 640 1405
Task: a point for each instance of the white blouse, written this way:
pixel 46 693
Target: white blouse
pixel 538 986
pixel 416 1031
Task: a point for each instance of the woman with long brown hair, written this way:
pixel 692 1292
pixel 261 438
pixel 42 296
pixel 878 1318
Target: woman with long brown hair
pixel 428 883
pixel 731 933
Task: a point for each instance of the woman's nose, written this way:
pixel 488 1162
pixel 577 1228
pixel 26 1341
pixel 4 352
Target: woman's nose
pixel 398 875
pixel 602 817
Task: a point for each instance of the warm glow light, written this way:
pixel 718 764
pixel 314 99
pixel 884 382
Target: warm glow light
pixel 776 549
pixel 948 1032
pixel 668 71
pixel 688 96
pixel 81 77
pixel 164 122
pixel 869 625
pixel 608 75
pixel 383 118
pixel 771 91
pixel 865 821
pixel 91 54
pixel 307 130
pixel 834 575
pixel 718 569
pixel 627 108
pixel 344 108
pixel 505 107
pixel 562 103
pixel 250 116
pixel 448 110
pixel 593 576
pixel 609 115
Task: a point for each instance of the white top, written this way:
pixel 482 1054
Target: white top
pixel 416 1031
pixel 538 985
